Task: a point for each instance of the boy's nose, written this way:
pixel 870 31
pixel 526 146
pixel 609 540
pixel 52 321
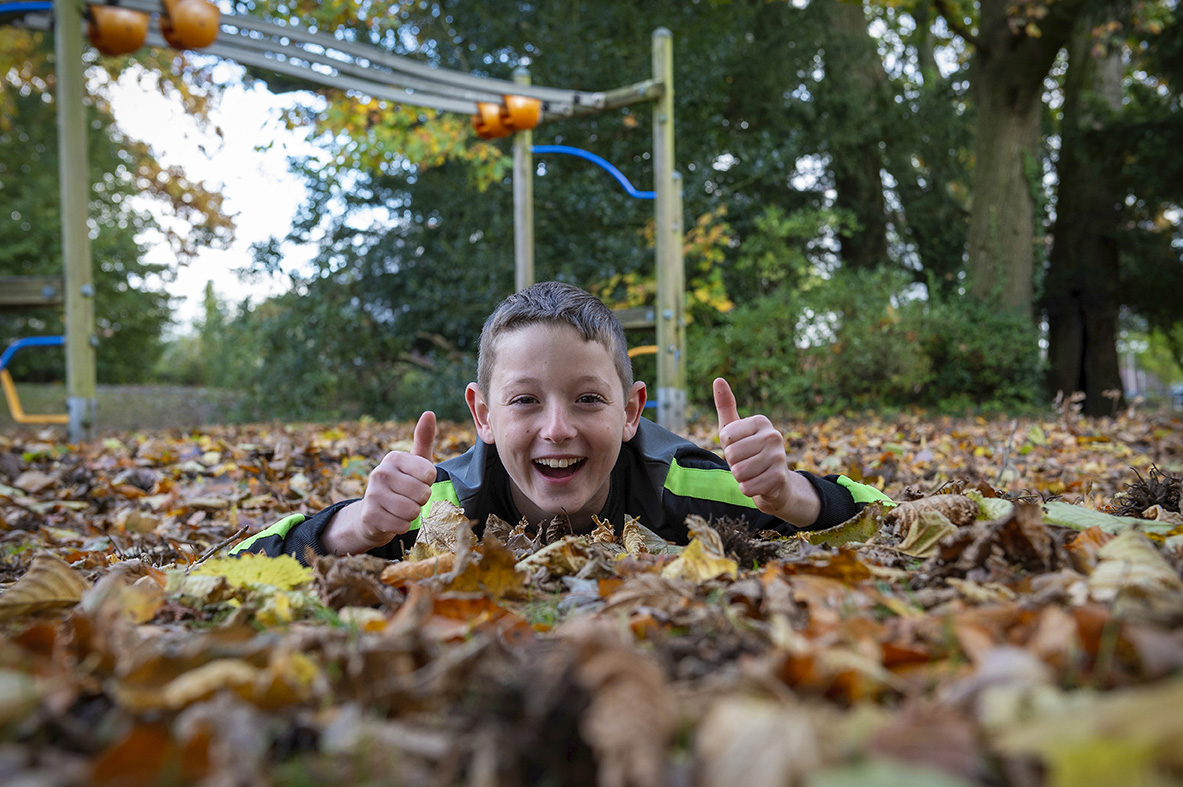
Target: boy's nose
pixel 557 427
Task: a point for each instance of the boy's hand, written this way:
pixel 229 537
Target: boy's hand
pixel 398 488
pixel 755 450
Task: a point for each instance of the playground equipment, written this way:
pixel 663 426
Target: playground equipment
pixel 599 161
pixel 498 108
pixel 10 394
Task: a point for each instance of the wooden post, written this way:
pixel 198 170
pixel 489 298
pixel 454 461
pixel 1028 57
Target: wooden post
pixel 671 362
pixel 523 199
pixel 74 182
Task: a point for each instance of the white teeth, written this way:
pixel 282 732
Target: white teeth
pixel 558 463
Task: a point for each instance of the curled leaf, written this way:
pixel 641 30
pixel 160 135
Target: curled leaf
pixel 1130 565
pixel 958 509
pixel 562 558
pixel 925 531
pixel 634 541
pixel 859 529
pixel 603 533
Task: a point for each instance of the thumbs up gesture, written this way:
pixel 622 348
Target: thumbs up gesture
pixel 755 450
pixel 398 489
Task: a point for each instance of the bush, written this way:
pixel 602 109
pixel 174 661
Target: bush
pixel 980 355
pixel 861 340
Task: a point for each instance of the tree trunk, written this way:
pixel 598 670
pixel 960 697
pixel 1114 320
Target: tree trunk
pixel 855 75
pixel 1082 295
pixel 1007 83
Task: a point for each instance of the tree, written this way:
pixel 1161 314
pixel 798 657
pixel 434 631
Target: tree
pixel 1117 225
pixel 1082 295
pixel 856 99
pixel 766 94
pixel 131 308
pixel 1013 50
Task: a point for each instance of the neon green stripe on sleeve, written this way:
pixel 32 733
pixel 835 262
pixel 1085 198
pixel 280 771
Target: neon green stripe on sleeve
pixel 862 493
pixel 717 484
pixel 280 529
pixel 440 490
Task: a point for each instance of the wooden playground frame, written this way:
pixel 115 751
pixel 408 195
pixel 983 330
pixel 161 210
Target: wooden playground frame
pixel 325 60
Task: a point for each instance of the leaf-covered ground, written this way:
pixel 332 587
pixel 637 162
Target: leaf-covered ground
pixel 1017 621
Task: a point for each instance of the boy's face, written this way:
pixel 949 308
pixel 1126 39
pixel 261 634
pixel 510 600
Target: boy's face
pixel 557 414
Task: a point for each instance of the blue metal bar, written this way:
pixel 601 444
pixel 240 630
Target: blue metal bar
pixel 587 155
pixel 24 8
pixel 30 341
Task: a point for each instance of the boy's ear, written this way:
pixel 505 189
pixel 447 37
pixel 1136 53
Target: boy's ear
pixel 480 412
pixel 633 409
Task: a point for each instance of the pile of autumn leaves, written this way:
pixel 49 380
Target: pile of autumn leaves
pixel 965 636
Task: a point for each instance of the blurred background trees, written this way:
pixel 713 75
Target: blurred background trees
pixel 933 203
pixel 132 305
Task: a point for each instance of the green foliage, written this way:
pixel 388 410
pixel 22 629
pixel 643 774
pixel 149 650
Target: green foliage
pixel 979 355
pixel 130 313
pixel 859 341
pixel 132 308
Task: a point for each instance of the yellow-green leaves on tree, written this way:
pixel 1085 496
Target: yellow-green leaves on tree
pixel 49 583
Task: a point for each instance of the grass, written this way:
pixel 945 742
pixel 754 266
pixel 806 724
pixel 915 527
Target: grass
pixel 127 407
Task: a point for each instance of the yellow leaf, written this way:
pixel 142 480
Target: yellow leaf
pixel 1128 736
pixel 49 583
pixel 282 572
pixel 699 563
pixel 858 529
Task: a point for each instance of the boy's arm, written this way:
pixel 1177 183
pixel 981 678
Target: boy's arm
pixel 398 489
pixel 294 534
pixel 755 451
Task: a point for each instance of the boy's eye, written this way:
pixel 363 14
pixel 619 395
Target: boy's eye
pixel 591 399
pixel 523 400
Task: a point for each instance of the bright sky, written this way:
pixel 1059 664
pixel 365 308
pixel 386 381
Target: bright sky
pixel 256 186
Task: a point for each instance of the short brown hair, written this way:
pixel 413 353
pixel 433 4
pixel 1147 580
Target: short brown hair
pixel 555 303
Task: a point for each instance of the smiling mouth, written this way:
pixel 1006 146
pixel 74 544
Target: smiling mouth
pixel 559 468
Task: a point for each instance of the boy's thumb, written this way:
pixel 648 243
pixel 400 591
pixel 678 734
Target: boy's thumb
pixel 424 441
pixel 725 403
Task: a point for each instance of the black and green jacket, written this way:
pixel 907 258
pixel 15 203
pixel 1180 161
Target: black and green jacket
pixel 660 479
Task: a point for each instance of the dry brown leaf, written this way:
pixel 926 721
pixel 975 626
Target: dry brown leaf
pixel 404 571
pixel 495 574
pixel 1131 566
pixel 439 527
pixel 562 558
pixel 958 509
pixel 926 528
pixel 50 583
pixel 603 532
pixel 632 538
pixel 630 722
pixel 498 528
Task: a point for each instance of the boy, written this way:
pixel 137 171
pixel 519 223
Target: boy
pixel 561 433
